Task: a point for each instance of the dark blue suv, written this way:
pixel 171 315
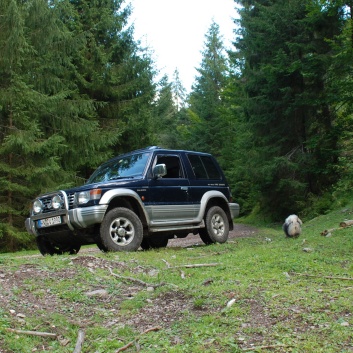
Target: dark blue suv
pixel 138 199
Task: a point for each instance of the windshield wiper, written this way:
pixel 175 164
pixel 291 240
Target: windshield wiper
pixel 122 177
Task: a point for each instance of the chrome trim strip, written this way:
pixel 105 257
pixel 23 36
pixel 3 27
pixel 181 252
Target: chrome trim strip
pixel 84 217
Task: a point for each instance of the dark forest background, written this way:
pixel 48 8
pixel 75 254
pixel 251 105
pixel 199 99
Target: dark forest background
pixel 276 109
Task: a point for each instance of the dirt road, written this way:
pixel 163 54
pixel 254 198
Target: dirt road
pixel 239 231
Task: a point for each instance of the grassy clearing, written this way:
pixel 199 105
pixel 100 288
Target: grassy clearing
pixel 265 293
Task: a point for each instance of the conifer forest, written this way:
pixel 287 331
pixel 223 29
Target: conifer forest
pixel 276 109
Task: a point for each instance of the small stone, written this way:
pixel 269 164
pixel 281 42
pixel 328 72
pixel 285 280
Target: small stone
pixel 230 303
pixel 97 293
pixel 286 274
pixel 345 323
pixel 153 273
pixel 150 289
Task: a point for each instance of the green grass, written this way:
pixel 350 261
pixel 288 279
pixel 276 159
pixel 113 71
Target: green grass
pixel 290 295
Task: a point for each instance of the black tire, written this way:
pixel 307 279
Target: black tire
pixel 100 246
pixel 154 243
pixel 121 230
pixel 216 226
pixel 46 247
pixel 145 244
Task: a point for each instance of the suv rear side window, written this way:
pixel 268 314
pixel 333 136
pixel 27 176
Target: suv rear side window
pixel 204 167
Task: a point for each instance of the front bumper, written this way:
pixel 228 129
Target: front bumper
pixel 77 218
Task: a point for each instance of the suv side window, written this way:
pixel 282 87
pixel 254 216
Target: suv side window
pixel 204 167
pixel 173 165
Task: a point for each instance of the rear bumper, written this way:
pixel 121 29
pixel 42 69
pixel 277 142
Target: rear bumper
pixel 234 210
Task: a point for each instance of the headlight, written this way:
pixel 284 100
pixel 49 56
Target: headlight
pixel 85 196
pixel 56 202
pixel 37 206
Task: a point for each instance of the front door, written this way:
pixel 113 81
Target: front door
pixel 168 200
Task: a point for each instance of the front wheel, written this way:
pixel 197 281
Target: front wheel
pixel 46 247
pixel 121 230
pixel 217 226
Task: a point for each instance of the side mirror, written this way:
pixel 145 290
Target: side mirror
pixel 159 170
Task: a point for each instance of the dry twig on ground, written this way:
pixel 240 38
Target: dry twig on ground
pixel 33 333
pixel 274 346
pixel 121 349
pixel 319 276
pixel 79 342
pixel 196 265
pixel 138 281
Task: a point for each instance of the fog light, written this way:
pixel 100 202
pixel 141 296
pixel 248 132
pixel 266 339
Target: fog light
pixel 56 202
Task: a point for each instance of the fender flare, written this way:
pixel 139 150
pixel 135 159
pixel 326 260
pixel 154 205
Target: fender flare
pixel 122 192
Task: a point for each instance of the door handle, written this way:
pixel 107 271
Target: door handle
pixel 184 188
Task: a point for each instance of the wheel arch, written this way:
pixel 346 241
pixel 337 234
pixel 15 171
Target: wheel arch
pixel 128 199
pixel 215 198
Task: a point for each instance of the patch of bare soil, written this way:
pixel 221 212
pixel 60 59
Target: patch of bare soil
pixel 24 293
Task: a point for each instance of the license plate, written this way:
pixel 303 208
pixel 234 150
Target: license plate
pixel 49 222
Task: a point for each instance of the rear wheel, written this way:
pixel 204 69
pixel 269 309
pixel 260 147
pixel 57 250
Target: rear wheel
pixel 217 226
pixel 121 230
pixel 154 243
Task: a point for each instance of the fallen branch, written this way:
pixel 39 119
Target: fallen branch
pixel 326 277
pixel 121 349
pixel 346 224
pixel 197 265
pixel 33 333
pixel 328 231
pixel 79 342
pixel 266 347
pixel 137 281
pixel 343 225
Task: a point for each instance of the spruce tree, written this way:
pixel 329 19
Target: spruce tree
pixel 283 61
pixel 75 89
pixel 165 114
pixel 114 71
pixel 30 148
pixel 340 87
pixel 206 131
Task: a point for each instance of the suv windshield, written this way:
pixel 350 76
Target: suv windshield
pixel 125 167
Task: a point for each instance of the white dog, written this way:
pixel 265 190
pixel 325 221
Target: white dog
pixel 292 226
